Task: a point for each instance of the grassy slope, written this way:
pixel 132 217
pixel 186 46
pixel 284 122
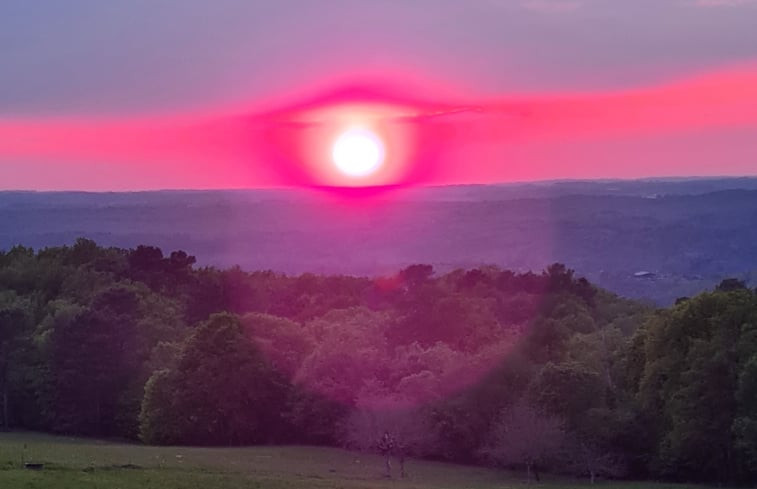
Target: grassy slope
pixel 76 463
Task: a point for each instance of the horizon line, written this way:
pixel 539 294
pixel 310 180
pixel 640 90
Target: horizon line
pixel 355 189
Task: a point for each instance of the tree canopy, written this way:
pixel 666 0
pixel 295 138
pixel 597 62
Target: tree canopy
pixel 542 371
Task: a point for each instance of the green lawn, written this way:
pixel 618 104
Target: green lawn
pixel 83 464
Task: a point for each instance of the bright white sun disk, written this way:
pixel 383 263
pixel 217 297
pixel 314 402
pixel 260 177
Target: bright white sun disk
pixel 358 152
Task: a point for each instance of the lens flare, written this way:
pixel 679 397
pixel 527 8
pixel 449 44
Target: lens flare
pixel 358 152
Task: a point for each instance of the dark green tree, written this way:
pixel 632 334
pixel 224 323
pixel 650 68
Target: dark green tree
pixel 15 321
pixel 222 391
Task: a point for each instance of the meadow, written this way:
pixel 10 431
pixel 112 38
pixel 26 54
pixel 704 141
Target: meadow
pixel 86 463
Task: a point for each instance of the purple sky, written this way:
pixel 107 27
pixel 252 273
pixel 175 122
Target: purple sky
pixel 84 58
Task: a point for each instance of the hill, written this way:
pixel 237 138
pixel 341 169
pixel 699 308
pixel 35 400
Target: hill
pixel 655 240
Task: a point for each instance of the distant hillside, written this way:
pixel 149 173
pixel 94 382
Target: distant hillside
pixel 657 239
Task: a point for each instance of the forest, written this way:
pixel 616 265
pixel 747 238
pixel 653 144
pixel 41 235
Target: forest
pixel 688 234
pixel 539 372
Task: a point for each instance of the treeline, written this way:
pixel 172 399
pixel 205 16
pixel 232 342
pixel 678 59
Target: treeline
pixel 542 372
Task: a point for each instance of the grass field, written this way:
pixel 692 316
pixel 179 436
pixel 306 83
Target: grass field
pixel 82 464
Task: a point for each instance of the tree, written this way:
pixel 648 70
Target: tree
pixel 568 390
pixel 694 360
pixel 415 275
pixel 109 343
pixel 222 391
pixel 591 459
pixel 390 426
pixel 730 284
pixel 14 321
pixel 312 418
pixel 100 343
pixel 285 342
pixel 596 431
pixel 524 436
pixel 350 350
pixel 745 424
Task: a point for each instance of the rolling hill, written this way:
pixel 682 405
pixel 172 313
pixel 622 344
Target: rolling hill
pixel 648 239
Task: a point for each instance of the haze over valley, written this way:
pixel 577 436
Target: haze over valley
pixel 649 239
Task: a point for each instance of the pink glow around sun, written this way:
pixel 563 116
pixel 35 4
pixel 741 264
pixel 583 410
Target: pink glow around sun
pixel 367 137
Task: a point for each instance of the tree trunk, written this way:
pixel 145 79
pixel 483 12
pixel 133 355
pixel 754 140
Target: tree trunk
pixel 536 473
pixel 388 461
pixel 402 465
pixel 97 415
pixel 6 424
pixel 593 476
pixel 528 471
pixel 4 381
pixel 606 360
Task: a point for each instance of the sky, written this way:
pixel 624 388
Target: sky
pixel 147 94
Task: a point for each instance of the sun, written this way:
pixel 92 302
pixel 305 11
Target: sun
pixel 358 152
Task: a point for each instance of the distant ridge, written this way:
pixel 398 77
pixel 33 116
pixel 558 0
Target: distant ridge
pixel 687 233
